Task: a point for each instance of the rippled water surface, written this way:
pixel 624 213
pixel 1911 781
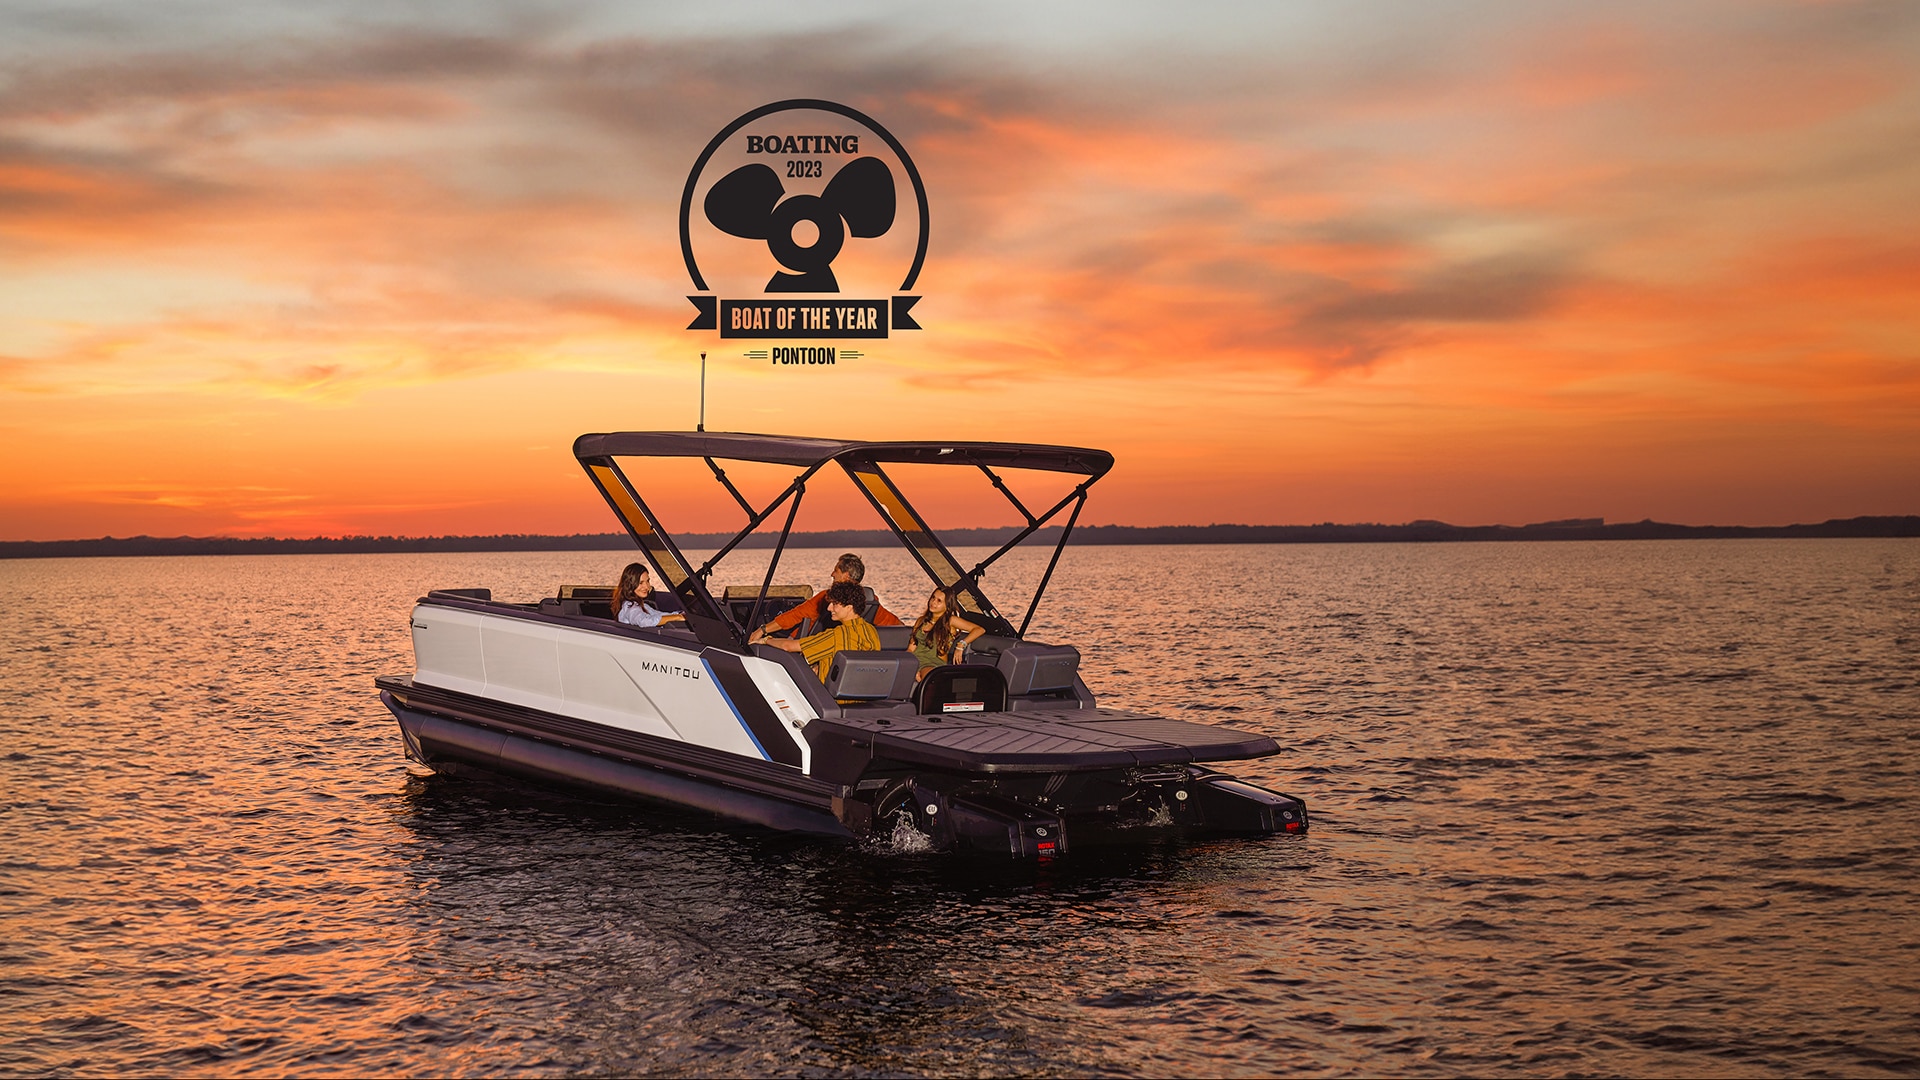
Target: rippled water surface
pixel 1619 807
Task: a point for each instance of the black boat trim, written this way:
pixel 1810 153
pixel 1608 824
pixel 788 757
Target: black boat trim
pixel 458 747
pixel 750 706
pixel 650 751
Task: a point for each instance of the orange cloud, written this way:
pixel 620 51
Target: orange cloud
pixel 1540 268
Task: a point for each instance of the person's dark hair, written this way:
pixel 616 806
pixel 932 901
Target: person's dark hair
pixel 851 565
pixel 939 628
pixel 629 586
pixel 846 592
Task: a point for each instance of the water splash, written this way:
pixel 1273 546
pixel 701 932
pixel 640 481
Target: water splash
pixel 906 838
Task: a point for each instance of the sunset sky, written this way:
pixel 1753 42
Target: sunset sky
pixel 369 268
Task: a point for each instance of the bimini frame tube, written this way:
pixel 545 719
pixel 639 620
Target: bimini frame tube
pixel 799 490
pixel 1055 561
pixel 1078 494
pixel 646 532
pixel 755 518
pixel 911 528
pixel 907 523
pixel 720 474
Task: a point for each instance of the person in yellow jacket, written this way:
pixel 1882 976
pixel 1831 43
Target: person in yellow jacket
pixel 853 634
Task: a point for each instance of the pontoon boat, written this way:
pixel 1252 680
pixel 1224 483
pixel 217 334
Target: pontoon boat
pixel 1007 752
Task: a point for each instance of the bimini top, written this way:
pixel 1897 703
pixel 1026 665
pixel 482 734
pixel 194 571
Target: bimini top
pixel 864 463
pixel 794 450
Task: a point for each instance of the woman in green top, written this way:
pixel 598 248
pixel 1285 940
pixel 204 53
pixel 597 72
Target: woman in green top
pixel 938 630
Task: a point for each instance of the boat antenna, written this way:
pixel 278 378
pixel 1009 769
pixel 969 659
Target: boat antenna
pixel 703 393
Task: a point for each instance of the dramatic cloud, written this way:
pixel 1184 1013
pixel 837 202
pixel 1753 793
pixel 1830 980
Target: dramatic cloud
pixel 1301 246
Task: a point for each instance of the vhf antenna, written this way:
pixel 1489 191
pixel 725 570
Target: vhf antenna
pixel 703 393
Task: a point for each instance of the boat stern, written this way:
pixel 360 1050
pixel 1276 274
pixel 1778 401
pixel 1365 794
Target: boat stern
pixel 1042 816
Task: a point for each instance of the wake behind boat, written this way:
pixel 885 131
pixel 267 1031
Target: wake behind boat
pixel 1008 752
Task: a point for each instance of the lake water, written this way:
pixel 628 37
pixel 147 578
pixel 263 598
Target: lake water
pixel 1638 808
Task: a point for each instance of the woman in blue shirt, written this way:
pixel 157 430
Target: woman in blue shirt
pixel 633 599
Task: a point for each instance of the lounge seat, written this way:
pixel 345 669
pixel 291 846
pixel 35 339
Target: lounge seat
pixel 871 676
pixel 1039 669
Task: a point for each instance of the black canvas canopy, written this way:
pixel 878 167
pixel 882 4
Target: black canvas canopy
pixel 794 450
pixel 862 462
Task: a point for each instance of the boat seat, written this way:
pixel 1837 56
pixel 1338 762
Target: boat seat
pixel 962 688
pixel 1033 668
pixel 740 600
pixel 591 600
pixel 895 638
pixel 597 602
pixel 989 646
pixel 871 676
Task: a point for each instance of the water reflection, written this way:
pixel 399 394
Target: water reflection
pixel 692 947
pixel 1625 808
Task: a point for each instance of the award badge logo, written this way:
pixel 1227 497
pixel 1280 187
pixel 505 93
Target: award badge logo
pixel 827 200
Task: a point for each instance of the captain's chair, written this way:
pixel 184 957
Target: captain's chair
pixel 962 688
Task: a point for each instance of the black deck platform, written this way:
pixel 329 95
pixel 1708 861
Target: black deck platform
pixel 1044 741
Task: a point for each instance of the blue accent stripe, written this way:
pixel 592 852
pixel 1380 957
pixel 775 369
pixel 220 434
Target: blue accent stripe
pixel 741 720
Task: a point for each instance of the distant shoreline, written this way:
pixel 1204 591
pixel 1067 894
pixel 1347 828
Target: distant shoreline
pixel 1418 532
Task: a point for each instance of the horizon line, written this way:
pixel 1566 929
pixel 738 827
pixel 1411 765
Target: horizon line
pixel 1423 530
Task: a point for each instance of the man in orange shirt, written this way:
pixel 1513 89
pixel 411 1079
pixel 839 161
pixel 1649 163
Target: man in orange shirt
pixel 848 569
pixel 853 633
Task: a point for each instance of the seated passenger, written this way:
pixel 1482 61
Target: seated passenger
pixel 849 568
pixel 854 634
pixel 633 599
pixel 939 630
